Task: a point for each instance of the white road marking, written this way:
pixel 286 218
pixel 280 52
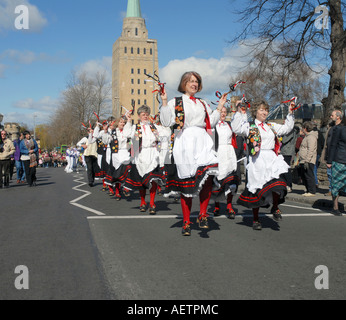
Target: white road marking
pixel 86 193
pixel 101 215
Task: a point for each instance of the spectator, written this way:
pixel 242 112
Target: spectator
pixel 7 149
pixel 335 121
pixel 29 156
pixel 320 144
pixel 307 158
pixel 19 163
pixel 337 161
pixel 288 151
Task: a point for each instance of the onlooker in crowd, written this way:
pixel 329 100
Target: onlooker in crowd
pixel 296 160
pixel 7 149
pixel 336 160
pixel 19 163
pixel 29 151
pixel 335 117
pixel 320 144
pixel 307 158
pixel 288 144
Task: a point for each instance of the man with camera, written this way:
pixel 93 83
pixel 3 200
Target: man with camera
pixel 7 149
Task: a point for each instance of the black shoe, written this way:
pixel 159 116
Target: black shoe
pixel 336 212
pixel 276 215
pixel 203 222
pixel 152 210
pixel 231 214
pixel 143 208
pixel 186 230
pixel 91 184
pixel 126 193
pixel 217 212
pixel 256 225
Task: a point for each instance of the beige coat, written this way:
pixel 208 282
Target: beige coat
pixel 308 148
pixel 9 150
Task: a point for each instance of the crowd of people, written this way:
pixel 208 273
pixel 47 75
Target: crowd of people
pixel 189 151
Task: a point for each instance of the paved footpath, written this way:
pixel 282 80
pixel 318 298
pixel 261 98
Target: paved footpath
pixel 79 243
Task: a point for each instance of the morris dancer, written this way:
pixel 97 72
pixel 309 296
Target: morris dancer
pixel 265 180
pixel 145 170
pixel 120 156
pixel 227 180
pixel 194 160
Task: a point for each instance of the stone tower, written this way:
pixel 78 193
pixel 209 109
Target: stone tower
pixel 133 56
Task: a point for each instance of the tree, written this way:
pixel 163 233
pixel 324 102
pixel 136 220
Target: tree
pixel 83 96
pixel 271 25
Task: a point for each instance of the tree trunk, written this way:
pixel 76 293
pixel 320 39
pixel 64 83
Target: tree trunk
pixel 337 70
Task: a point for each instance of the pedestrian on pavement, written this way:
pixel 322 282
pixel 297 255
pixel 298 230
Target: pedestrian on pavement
pixel 194 162
pixel 336 117
pixel 227 181
pixel 29 156
pixel 19 163
pixel 7 149
pixel 337 162
pixel 307 158
pixel 266 182
pixel 145 173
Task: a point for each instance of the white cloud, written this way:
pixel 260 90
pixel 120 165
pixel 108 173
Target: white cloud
pixel 216 73
pixel 46 104
pixel 8 16
pixel 91 67
pixel 28 57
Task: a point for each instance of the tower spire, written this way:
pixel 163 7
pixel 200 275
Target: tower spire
pixel 133 9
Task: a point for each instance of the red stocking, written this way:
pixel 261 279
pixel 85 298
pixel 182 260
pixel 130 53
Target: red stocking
pixel 117 188
pixel 142 193
pixel 153 193
pixel 229 201
pixel 186 204
pixel 204 195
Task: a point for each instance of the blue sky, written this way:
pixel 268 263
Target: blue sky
pixel 66 35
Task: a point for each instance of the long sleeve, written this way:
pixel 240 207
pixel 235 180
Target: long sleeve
pixel 240 125
pixel 167 114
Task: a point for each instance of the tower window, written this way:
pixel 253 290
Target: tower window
pixel 139 101
pixel 138 51
pixel 125 50
pixel 139 91
pixel 145 51
pixel 151 51
pixel 136 31
pixel 131 50
pixel 139 71
pixel 139 81
pixel 132 71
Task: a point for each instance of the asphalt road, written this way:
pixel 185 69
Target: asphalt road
pixel 79 243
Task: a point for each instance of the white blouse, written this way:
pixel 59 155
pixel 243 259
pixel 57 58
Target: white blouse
pixel 193 112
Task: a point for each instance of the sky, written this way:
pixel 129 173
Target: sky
pixel 67 35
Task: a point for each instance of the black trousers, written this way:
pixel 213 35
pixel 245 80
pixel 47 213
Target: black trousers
pixel 308 177
pixel 288 175
pixel 92 167
pixel 5 172
pixel 30 173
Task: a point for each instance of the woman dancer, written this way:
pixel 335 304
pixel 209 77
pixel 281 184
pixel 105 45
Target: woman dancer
pixel 145 170
pixel 265 180
pixel 227 180
pixel 194 162
pixel 120 156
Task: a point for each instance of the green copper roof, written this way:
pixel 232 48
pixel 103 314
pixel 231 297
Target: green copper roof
pixel 133 9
